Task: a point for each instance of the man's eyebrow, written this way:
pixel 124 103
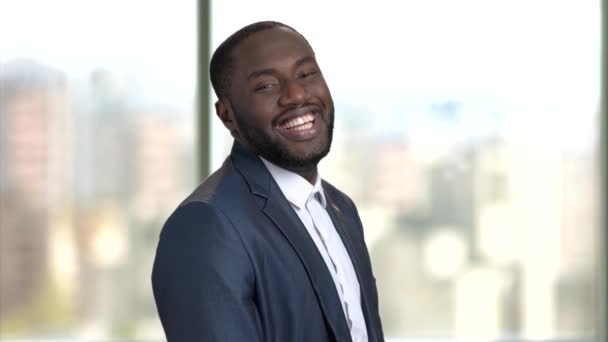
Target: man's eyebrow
pixel 304 60
pixel 258 73
pixel 270 71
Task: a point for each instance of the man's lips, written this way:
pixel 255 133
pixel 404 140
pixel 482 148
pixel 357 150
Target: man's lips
pixel 297 117
pixel 300 124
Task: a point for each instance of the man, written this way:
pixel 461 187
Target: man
pixel 264 250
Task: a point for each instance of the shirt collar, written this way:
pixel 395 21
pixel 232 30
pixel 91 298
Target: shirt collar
pixel 296 189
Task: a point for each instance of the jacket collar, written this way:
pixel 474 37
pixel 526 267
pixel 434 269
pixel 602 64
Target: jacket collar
pixel 249 165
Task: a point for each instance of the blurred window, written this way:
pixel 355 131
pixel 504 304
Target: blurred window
pixel 97 148
pixel 467 134
pixel 469 130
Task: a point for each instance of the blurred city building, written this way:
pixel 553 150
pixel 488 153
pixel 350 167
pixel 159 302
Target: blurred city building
pixel 34 139
pixel 88 176
pixel 492 245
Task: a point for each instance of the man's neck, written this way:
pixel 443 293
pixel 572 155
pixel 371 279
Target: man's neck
pixel 309 174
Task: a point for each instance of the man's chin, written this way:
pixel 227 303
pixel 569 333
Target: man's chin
pixel 297 160
pixel 289 154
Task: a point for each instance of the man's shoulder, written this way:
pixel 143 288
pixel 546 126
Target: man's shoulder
pixel 206 209
pixel 223 184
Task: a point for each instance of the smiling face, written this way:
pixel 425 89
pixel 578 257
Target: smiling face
pixel 279 105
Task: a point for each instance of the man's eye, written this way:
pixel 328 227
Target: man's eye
pixel 264 86
pixel 308 74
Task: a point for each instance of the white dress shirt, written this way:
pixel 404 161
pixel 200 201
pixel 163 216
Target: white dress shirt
pixel 309 203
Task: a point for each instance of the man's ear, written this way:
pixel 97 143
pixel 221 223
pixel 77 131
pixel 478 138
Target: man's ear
pixel 224 111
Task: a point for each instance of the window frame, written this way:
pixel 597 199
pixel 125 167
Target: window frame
pixel 204 116
pixel 602 316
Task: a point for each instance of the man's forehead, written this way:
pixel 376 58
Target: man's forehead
pixel 269 45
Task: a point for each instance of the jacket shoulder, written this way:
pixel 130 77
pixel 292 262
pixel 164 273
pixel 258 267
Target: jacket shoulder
pixel 217 186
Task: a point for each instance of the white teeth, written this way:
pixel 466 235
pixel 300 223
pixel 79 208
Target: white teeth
pixel 303 127
pixel 300 123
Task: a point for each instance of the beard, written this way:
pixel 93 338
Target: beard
pixel 271 148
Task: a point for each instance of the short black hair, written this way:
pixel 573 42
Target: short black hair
pixel 220 67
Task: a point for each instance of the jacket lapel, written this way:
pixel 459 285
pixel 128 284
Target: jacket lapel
pixel 337 218
pixel 279 211
pixel 294 231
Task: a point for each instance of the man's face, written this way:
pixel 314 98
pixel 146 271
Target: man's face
pixel 281 106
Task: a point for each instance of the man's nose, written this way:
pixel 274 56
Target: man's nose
pixel 293 93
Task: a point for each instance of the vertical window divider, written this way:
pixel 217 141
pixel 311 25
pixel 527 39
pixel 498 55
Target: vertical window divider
pixel 602 316
pixel 203 117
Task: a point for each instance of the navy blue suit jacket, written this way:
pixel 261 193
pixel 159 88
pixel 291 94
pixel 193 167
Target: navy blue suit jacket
pixel 235 263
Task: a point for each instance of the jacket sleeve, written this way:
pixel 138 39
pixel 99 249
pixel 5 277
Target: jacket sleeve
pixel 203 279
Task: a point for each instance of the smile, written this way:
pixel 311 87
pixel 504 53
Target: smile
pixel 299 123
pixel 302 127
